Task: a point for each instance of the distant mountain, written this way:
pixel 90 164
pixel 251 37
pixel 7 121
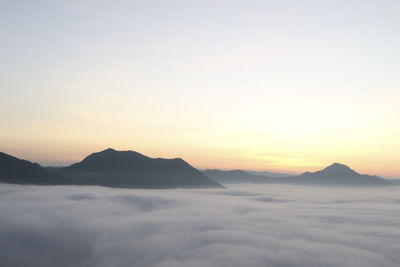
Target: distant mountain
pixel 338 174
pixel 235 176
pixel 269 174
pixel 130 169
pixel 335 174
pixel 18 171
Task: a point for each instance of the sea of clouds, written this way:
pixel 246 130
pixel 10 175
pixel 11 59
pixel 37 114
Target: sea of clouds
pixel 243 225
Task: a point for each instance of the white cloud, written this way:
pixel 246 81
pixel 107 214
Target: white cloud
pixel 244 226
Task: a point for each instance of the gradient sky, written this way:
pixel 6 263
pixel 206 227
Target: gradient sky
pixel 267 85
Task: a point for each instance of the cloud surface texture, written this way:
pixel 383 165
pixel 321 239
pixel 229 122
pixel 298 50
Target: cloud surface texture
pixel 243 225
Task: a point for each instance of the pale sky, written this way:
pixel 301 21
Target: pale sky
pixel 266 85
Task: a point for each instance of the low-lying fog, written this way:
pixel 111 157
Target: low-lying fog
pixel 243 225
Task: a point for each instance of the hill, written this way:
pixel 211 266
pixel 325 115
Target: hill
pixel 19 171
pixel 337 174
pixel 235 176
pixel 124 169
pixel 130 169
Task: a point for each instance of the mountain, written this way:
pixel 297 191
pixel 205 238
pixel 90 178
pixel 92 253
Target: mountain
pixel 337 174
pixel 130 169
pixel 269 174
pixel 124 169
pixel 18 171
pixel 235 176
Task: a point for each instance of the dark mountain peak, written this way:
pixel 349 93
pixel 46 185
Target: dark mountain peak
pixel 131 169
pixel 338 168
pixel 338 174
pixel 113 152
pixel 108 150
pixel 338 165
pixel 109 159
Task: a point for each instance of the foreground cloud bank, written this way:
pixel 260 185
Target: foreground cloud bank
pixel 274 225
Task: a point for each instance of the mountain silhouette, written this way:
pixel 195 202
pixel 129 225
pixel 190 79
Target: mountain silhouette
pixel 235 176
pixel 269 173
pixel 19 171
pixel 338 174
pixel 131 169
pixel 334 175
pixel 124 169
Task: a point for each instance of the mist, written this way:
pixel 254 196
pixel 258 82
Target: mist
pixel 243 225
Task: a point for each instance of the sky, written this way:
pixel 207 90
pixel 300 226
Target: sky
pixel 266 85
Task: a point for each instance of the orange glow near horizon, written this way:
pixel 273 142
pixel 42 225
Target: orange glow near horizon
pixel 264 86
pixel 208 157
pixel 283 136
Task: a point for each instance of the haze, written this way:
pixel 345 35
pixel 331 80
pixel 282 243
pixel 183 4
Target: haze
pixel 264 85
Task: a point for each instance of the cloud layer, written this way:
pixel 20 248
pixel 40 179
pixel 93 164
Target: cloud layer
pixel 245 225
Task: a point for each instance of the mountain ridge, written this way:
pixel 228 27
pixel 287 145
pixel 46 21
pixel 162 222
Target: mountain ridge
pixel 131 169
pixel 338 174
pixel 15 170
pixel 112 168
pixel 234 176
pixel 334 174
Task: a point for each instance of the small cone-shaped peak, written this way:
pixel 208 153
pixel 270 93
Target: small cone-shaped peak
pixel 338 168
